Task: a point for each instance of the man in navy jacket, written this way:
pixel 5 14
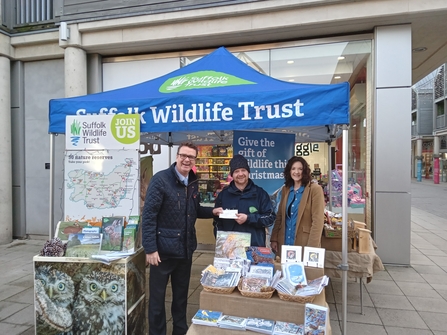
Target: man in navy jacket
pixel 171 208
pixel 255 210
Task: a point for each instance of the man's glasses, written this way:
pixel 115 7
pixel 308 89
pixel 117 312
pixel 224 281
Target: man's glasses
pixel 183 157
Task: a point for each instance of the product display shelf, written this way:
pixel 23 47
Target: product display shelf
pixel 213 168
pixel 62 284
pixel 274 309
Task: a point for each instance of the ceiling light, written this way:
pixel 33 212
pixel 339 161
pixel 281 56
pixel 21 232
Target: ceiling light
pixel 337 77
pixel 419 49
pixel 291 79
pixel 341 57
pixel 290 62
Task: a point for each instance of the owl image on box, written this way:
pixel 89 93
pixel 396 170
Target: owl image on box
pixel 54 293
pixel 99 305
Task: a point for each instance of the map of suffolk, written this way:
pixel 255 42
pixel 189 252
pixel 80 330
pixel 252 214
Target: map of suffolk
pixel 100 190
pixel 101 183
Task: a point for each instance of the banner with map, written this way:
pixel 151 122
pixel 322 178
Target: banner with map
pixel 101 183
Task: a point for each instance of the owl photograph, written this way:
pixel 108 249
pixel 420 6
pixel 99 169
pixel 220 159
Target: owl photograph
pixel 54 296
pixel 99 307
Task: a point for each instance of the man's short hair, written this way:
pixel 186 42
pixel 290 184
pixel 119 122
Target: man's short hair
pixel 189 145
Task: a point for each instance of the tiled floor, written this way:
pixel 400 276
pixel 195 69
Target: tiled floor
pixel 398 301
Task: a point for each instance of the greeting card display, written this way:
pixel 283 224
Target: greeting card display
pixel 314 257
pixel 290 253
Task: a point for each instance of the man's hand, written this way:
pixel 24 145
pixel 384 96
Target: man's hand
pixel 274 246
pixel 241 218
pixel 217 211
pixel 153 259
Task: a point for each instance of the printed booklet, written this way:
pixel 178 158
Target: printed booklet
pixel 231 244
pixel 83 245
pixel 232 322
pixel 294 273
pixel 314 286
pixel 206 318
pixel 262 326
pixel 315 319
pixel 112 230
pixel 287 328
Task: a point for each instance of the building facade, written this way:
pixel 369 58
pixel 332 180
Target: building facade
pixel 429 128
pixel 66 49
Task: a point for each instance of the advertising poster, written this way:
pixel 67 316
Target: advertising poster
pixel 267 155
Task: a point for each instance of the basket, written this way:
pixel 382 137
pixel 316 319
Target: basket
pixel 220 290
pixel 267 294
pixel 336 233
pixel 296 298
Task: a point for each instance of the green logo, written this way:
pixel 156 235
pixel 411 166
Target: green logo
pixel 252 209
pixel 75 128
pixel 201 79
pixel 126 128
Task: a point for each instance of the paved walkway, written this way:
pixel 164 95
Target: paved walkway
pixel 398 301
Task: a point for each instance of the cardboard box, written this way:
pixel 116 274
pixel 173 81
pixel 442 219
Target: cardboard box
pixel 335 244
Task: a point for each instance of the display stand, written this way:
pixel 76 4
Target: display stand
pixel 66 287
pixel 273 309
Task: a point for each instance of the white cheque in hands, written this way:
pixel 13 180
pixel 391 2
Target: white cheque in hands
pixel 228 214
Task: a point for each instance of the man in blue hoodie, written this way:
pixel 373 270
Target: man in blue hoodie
pixel 255 210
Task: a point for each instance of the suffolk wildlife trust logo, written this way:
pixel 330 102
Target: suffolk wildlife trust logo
pixel 75 130
pixel 201 79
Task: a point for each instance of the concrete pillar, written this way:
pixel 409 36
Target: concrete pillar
pixel 419 159
pixel 436 147
pixel 94 73
pixel 5 152
pixel 75 72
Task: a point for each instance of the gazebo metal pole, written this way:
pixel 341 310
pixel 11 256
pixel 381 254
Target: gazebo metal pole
pixel 344 263
pixel 50 229
pixel 329 174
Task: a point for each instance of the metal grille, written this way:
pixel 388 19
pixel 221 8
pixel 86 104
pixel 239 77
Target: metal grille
pixel 439 83
pixel 33 11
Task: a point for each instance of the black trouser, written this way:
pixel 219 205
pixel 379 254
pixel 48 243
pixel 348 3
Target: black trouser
pixel 180 272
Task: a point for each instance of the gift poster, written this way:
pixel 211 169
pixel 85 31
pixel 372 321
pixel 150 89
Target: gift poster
pixel 267 155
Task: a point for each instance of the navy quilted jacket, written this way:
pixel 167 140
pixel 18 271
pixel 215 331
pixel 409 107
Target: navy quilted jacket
pixel 253 201
pixel 169 215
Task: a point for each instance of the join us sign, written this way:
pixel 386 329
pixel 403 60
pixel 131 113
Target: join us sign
pixel 90 132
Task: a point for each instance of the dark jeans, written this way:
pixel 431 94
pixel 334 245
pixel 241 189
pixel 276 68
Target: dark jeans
pixel 180 272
